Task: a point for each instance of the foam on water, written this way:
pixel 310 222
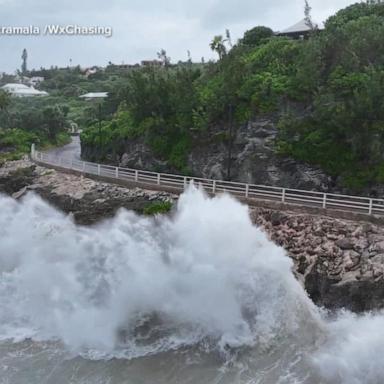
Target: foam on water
pixel 204 278
pixel 354 351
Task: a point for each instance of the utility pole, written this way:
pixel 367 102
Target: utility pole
pixel 230 144
pixel 24 57
pixel 100 141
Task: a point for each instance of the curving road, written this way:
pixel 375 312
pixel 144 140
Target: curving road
pixel 69 151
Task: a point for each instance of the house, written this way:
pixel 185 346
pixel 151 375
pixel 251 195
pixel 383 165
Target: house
pixel 152 63
pixel 35 80
pixel 90 71
pixel 300 30
pixel 94 95
pixel 21 90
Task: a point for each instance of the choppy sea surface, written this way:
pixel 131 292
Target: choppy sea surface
pixel 201 297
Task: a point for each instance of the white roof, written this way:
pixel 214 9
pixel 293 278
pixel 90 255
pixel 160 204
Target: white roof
pixel 301 26
pixel 23 90
pixel 95 95
pixel 14 86
pixel 31 92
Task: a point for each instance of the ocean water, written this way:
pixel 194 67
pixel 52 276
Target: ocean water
pixel 201 296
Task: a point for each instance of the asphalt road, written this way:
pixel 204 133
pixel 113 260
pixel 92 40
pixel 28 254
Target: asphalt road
pixel 71 150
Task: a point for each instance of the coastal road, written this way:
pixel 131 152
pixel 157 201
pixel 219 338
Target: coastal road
pixel 69 151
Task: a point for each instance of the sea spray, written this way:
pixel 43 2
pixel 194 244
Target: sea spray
pixel 354 350
pixel 181 292
pixel 142 285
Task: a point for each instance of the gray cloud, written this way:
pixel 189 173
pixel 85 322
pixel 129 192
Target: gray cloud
pixel 140 28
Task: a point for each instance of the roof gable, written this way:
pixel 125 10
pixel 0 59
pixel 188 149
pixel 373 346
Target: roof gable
pixel 301 26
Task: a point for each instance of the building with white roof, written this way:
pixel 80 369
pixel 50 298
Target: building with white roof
pixel 94 95
pixel 21 90
pixel 299 30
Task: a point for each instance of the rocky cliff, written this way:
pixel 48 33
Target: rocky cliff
pixel 253 160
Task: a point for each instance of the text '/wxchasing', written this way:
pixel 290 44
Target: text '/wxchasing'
pixel 56 30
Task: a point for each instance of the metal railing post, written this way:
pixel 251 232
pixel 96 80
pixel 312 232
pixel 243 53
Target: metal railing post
pixel 325 201
pixel 158 179
pixel 136 176
pixel 117 172
pixel 283 195
pixel 214 186
pixel 185 182
pixel 98 170
pixel 370 206
pixel 247 190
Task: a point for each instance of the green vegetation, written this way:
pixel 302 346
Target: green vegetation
pixel 47 121
pixel 341 74
pixel 169 108
pixel 155 106
pixel 326 93
pixel 157 207
pixel 27 121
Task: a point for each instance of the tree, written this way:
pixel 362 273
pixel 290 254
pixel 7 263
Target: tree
pixel 228 37
pixel 218 45
pixel 255 36
pixel 5 100
pixel 308 16
pixel 24 66
pixel 54 120
pixel 162 55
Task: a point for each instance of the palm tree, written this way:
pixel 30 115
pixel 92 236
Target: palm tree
pixel 217 45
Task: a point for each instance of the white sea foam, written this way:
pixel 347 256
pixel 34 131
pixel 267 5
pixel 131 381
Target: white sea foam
pixel 206 273
pixel 135 286
pixel 354 352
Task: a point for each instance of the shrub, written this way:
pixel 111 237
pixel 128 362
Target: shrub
pixel 157 207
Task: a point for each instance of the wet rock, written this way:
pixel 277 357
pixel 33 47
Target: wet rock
pixel 379 247
pixel 276 218
pixel 378 259
pixel 13 179
pixel 19 194
pixel 344 243
pixel 334 259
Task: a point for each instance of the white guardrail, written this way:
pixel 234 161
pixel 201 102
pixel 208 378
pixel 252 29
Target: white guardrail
pixel 357 204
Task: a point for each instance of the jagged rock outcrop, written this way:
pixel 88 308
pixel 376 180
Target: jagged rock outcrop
pixel 254 159
pixel 88 200
pixel 16 175
pixel 340 262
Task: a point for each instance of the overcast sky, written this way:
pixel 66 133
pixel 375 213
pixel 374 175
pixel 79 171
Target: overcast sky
pixel 140 27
